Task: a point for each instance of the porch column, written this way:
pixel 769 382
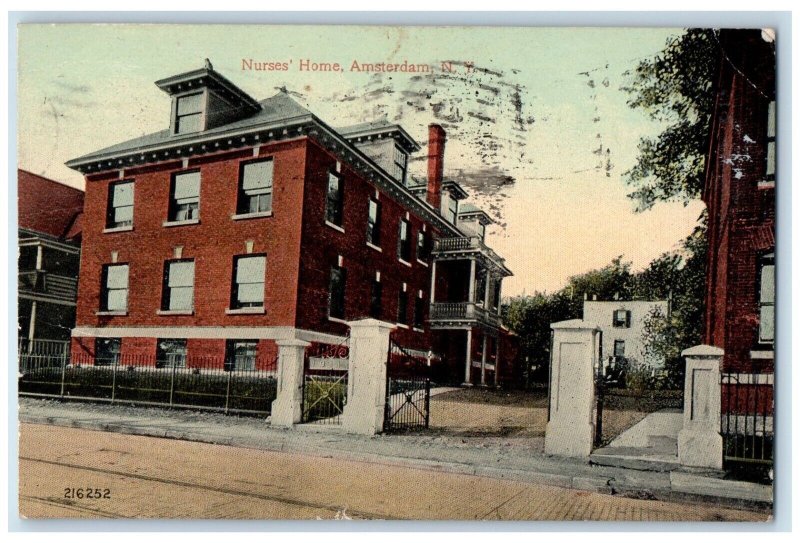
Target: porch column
pixel 497 361
pixel 499 295
pixel 699 442
pixel 468 365
pixel 487 290
pixel 287 409
pixel 32 326
pixel 471 295
pixel 433 282
pixel 570 430
pixel 483 362
pixel 369 353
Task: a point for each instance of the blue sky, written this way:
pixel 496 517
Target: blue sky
pixel 539 131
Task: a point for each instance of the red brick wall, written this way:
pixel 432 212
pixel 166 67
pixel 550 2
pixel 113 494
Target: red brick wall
pixel 45 205
pixel 321 246
pixel 212 243
pixel 741 214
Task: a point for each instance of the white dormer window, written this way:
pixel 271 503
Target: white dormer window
pixel 449 207
pixel 399 164
pixel 189 113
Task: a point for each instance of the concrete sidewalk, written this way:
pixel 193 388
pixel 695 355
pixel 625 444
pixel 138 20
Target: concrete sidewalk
pixel 512 459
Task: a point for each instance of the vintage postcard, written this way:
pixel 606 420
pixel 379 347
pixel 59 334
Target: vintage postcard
pixel 422 273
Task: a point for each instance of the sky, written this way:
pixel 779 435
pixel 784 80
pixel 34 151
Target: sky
pixel 539 132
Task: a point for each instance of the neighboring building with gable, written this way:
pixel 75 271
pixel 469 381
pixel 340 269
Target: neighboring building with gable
pixel 246 222
pixel 49 237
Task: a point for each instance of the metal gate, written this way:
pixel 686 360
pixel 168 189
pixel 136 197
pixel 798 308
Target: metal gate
pixel 408 389
pixel 747 417
pixel 325 382
pixel 624 396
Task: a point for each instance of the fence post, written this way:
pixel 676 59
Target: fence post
pixel 570 431
pixel 228 391
pixel 287 408
pixel 700 441
pixel 63 373
pixel 172 382
pixel 366 405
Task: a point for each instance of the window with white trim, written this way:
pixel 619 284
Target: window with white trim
pixel 255 187
pixel 334 199
pixel 241 354
pixel 766 299
pixel 189 113
pixel 185 196
pixel 771 132
pixel 622 318
pixel 248 281
pixel 374 223
pixel 402 307
pixel 120 205
pixel 178 286
pixel 404 241
pixel 114 295
pixel 171 353
pixel 336 294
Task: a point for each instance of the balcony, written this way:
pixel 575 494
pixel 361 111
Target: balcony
pixel 468 247
pixel 45 284
pixel 459 314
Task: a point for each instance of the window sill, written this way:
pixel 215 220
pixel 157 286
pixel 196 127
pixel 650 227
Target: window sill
pixel 245 311
pixel 401 325
pixel 245 216
pixel 335 227
pixel 336 319
pixel 762 355
pixel 111 313
pixel 371 246
pixel 175 312
pixel 420 330
pixel 115 229
pixel 762 185
pixel 422 262
pixel 401 261
pixel 187 222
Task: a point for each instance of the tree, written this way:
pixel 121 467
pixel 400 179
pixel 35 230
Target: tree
pixel 674 87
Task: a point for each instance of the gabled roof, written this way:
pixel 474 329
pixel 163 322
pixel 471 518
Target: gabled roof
pixel 276 109
pixel 48 207
pixel 208 78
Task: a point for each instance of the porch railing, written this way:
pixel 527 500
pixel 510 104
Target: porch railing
pixel 467 311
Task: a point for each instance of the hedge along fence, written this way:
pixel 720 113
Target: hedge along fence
pixel 191 382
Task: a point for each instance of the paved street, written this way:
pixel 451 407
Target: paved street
pixel 160 478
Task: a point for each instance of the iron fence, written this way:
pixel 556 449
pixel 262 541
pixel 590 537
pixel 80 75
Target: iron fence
pixel 408 389
pixel 191 382
pixel 747 417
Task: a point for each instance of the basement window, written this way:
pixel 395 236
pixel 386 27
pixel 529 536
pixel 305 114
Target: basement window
pixel 240 355
pixel 171 353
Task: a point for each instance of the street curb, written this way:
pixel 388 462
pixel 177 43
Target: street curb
pixel 694 488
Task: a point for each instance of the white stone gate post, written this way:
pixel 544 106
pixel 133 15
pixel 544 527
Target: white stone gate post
pixel 287 409
pixel 570 431
pixel 700 441
pixel 366 382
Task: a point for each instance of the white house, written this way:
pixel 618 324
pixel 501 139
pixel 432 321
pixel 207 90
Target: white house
pixel 622 324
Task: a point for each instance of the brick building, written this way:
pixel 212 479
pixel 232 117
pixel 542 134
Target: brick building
pixel 739 193
pixel 49 237
pixel 245 222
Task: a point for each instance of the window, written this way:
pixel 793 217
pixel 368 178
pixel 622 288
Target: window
pixel 336 293
pixel 480 286
pixel 402 307
pixel 451 213
pixel 622 318
pixel 771 141
pixel 482 230
pixel 255 187
pixel 335 199
pixel 171 353
pixel 189 113
pixel 399 164
pixel 240 354
pixel 106 351
pixel 114 296
pixel 496 297
pixel 374 223
pixel 766 300
pixel 423 246
pixel 419 313
pixel 248 281
pixel 404 241
pixel 185 198
pixel 376 300
pixel 619 348
pixel 120 205
pixel 178 294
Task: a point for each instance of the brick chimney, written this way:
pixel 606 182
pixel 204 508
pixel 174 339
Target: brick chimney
pixel 436 139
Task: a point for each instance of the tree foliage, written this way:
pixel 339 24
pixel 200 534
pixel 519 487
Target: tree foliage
pixel 674 87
